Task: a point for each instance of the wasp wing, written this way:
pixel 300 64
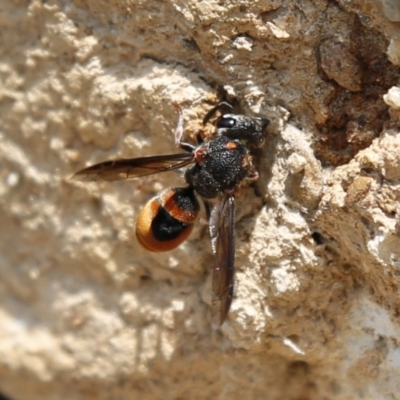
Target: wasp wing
pixel 129 168
pixel 223 242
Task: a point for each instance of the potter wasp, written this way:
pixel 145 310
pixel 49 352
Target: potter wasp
pixel 215 170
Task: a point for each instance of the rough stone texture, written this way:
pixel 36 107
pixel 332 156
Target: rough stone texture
pixel 85 313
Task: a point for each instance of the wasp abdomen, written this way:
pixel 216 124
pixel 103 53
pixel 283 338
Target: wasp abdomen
pixel 167 219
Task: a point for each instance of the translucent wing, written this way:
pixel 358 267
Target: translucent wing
pixel 223 242
pixel 129 168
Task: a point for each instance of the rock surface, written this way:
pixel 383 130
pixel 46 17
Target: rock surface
pixel 86 313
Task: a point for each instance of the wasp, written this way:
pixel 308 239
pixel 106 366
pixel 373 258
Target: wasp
pixel 215 170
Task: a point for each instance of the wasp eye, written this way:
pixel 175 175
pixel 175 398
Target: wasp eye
pixel 226 122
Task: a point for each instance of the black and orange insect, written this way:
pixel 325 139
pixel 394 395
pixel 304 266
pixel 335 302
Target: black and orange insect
pixel 216 168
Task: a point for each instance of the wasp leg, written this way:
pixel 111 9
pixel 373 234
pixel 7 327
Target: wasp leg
pixel 179 131
pixel 207 208
pixel 199 134
pixel 204 226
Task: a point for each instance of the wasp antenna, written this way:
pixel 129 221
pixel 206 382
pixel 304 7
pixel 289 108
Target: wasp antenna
pixel 220 106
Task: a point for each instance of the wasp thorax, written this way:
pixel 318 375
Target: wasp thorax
pixel 221 167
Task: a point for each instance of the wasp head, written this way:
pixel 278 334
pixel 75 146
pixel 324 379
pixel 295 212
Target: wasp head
pixel 241 127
